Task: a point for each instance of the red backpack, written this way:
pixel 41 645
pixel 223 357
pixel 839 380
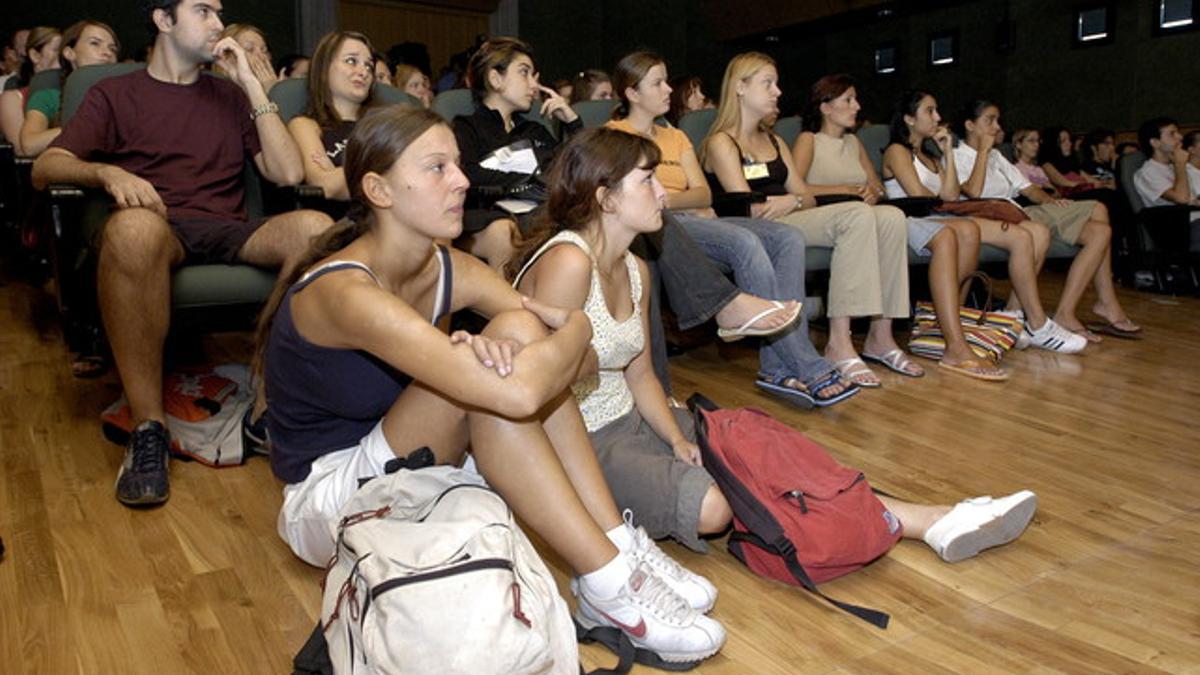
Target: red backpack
pixel 798 515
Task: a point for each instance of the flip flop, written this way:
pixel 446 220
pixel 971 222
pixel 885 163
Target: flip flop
pixel 1088 335
pixel 747 329
pixel 978 369
pixel 895 361
pixel 778 386
pixel 830 379
pixel 846 368
pixel 1110 328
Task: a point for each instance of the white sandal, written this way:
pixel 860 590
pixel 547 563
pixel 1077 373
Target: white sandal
pixel 747 329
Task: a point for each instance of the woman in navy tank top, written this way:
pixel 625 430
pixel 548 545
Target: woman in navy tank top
pixel 358 373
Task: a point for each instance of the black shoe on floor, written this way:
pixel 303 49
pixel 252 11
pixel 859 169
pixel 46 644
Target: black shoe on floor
pixel 254 433
pixel 142 480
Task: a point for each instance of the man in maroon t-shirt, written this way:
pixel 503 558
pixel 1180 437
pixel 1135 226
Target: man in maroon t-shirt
pixel 169 145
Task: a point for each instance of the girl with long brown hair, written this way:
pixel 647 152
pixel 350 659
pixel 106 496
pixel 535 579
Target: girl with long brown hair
pixel 358 372
pixel 339 92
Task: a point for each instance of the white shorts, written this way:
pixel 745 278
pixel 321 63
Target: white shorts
pixel 309 516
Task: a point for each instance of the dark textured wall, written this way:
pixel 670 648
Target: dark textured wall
pixel 569 35
pixel 1043 80
pixel 275 17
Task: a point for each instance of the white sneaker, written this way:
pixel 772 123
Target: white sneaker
pixel 980 523
pixel 1018 314
pixel 1053 337
pixel 699 592
pixel 653 616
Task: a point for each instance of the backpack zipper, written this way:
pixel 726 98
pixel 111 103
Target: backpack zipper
pixel 470 566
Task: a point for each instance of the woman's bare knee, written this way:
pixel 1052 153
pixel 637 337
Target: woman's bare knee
pixel 518 325
pixel 715 513
pixel 1038 233
pixel 1096 233
pixel 946 239
pixel 966 231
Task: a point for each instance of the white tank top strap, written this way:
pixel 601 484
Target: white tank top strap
pixel 563 237
pixel 332 265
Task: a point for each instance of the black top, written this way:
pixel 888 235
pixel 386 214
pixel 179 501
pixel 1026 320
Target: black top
pixel 1064 163
pixel 1101 171
pixel 482 133
pixel 335 138
pixel 774 183
pixel 324 399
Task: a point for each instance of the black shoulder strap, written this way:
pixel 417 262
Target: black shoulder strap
pixel 741 155
pixel 313 658
pixel 619 644
pixel 775 144
pixel 871 616
pixel 698 400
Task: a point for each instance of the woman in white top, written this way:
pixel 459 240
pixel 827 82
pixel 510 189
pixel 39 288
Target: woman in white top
pixel 646 448
pixel 603 193
pixel 911 171
pixel 985 174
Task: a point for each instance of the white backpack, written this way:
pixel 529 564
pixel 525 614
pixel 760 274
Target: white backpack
pixel 432 575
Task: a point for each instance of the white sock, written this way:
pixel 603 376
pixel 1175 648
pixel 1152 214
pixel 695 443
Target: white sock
pixel 621 537
pixel 607 581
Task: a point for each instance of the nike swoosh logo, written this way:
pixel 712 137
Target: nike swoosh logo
pixel 638 631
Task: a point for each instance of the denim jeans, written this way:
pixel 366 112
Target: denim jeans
pixel 695 287
pixel 767 260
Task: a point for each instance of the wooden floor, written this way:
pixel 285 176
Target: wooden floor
pixel 1105 580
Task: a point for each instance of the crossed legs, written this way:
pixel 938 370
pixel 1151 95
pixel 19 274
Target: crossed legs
pixel 544 466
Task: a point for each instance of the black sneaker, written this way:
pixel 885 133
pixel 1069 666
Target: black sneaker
pixel 254 434
pixel 142 480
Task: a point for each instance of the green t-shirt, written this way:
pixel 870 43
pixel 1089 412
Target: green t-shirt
pixel 46 101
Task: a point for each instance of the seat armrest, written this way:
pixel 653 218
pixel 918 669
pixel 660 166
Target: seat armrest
pixel 736 204
pixel 1168 228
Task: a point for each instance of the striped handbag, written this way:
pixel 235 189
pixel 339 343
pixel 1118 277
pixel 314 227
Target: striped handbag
pixel 988 334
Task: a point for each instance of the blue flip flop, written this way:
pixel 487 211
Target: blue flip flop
pixel 778 386
pixel 831 378
pixel 805 400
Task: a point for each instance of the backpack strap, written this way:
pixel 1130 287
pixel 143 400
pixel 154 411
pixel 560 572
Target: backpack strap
pixel 871 616
pixel 619 643
pixel 698 400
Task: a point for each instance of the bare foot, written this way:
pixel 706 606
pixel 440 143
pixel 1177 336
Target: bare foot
pixel 858 373
pixel 1117 318
pixel 1076 326
pixel 745 306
